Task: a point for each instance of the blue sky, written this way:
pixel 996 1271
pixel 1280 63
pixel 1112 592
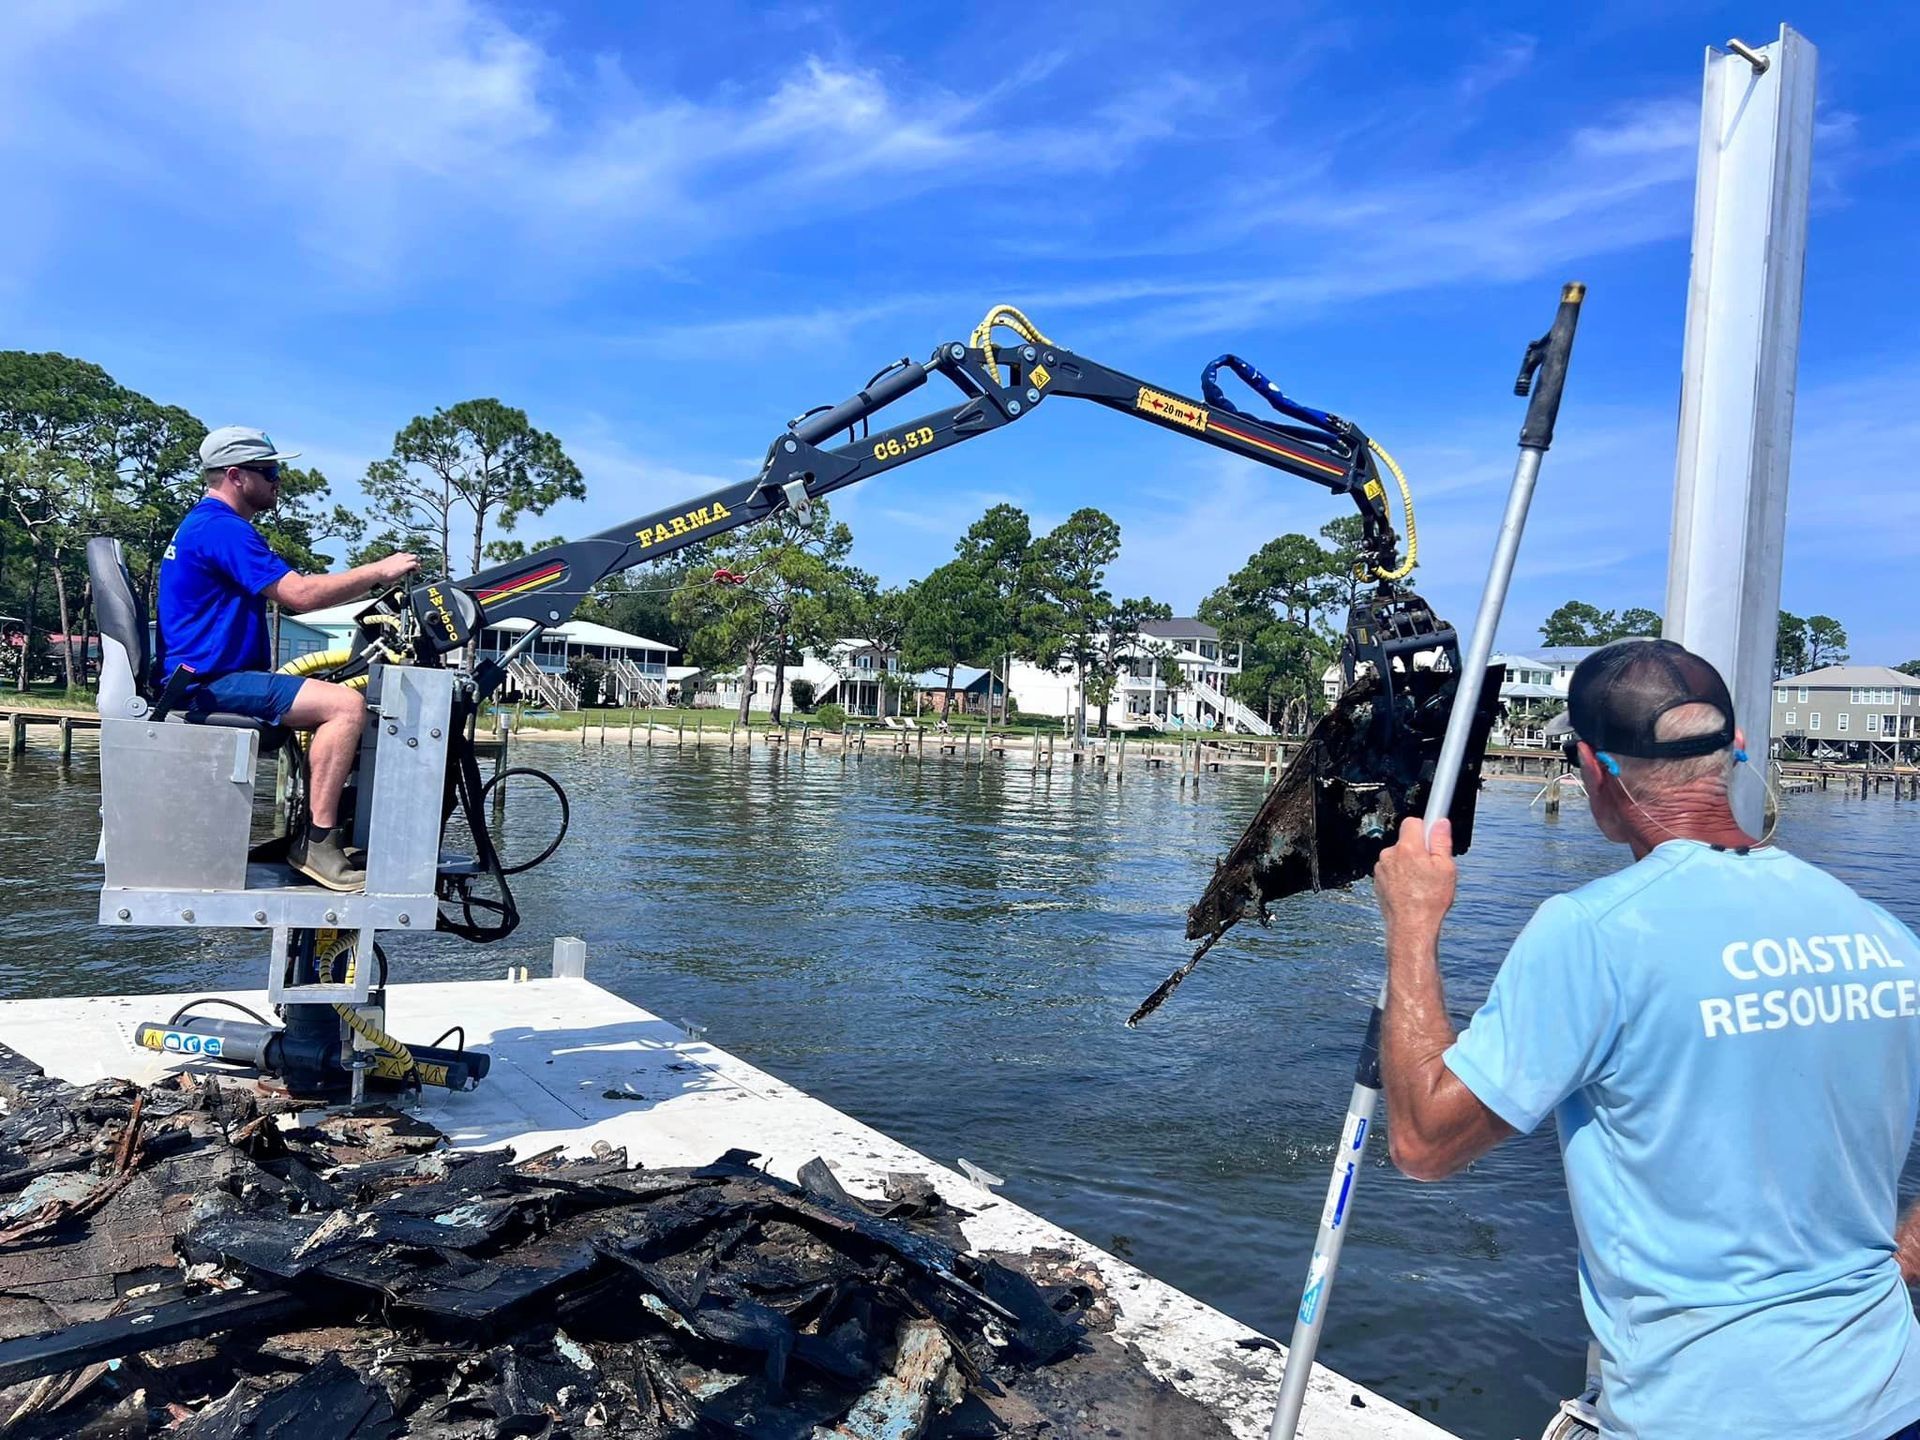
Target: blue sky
pixel 664 231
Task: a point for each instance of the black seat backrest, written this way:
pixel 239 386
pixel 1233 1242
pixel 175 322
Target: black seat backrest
pixel 118 608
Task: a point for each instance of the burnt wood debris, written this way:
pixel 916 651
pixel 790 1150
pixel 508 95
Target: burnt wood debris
pixel 194 1259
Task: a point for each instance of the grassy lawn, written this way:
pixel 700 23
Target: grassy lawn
pixel 47 695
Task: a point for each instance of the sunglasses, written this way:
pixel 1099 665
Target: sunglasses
pixel 268 473
pixel 1570 747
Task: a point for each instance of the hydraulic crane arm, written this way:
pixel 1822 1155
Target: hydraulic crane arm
pixel 998 386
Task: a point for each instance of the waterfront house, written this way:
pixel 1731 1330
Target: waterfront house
pixel 851 673
pixel 1174 676
pixel 1852 712
pixel 1532 692
pixel 971 688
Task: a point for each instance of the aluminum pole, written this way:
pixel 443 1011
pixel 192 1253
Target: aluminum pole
pixel 1548 356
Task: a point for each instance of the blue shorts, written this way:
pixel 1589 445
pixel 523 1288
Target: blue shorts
pixel 255 693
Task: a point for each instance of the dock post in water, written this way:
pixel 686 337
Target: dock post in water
pixel 501 733
pixel 282 780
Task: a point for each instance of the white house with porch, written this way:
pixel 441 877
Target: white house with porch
pixel 852 673
pixel 1173 677
pixel 636 672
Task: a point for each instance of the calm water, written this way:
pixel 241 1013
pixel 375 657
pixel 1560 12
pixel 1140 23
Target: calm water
pixel 950 956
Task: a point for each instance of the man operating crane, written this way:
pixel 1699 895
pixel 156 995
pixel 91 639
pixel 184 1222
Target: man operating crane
pixel 215 580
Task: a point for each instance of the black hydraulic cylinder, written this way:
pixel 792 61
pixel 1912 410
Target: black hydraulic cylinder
pixel 239 1042
pixel 306 1054
pixel 884 391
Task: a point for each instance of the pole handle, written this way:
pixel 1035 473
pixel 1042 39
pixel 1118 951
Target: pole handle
pixel 1543 369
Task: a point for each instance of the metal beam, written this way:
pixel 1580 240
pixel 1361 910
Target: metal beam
pixel 1742 352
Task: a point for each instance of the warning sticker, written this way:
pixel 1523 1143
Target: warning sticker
pixel 1172 407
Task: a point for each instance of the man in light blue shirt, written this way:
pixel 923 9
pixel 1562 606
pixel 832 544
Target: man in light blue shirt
pixel 1728 1040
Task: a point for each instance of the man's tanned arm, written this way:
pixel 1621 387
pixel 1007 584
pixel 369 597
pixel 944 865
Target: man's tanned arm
pixel 1435 1124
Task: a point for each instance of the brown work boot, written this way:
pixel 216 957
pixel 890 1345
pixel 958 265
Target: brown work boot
pixel 326 860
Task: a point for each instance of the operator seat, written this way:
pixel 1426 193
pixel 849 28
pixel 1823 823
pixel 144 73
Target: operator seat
pixel 126 686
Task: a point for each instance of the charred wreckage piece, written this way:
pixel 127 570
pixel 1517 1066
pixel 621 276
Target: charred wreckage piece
pixel 1364 767
pixel 189 1259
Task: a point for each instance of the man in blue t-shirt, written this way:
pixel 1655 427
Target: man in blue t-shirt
pixel 215 580
pixel 1728 1040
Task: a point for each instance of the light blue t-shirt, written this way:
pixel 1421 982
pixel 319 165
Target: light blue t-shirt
pixel 1730 1046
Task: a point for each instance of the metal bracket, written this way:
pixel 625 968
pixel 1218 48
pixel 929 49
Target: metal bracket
pixel 280 992
pixel 798 500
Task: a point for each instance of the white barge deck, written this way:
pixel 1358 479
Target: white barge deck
pixel 574 1065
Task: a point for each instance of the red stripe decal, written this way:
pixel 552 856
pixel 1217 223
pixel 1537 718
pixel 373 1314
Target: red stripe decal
pixel 556 568
pixel 1278 449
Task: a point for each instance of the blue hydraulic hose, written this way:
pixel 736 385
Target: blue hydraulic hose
pixel 1266 389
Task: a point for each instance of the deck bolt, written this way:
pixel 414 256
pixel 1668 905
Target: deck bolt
pixel 790 446
pixel 405 918
pixel 332 916
pixel 435 732
pixel 187 915
pixel 1013 407
pixel 1033 397
pixel 259 917
pixel 1027 353
pixel 958 352
pixel 124 913
pixel 413 742
pixel 393 729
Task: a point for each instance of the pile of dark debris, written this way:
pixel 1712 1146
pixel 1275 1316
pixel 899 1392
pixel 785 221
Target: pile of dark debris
pixel 192 1260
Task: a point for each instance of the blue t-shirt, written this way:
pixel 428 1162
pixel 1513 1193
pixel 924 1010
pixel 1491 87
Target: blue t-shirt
pixel 1730 1046
pixel 212 616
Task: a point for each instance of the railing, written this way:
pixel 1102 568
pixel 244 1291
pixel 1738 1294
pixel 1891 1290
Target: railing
pixel 556 692
pixel 633 686
pixel 1238 714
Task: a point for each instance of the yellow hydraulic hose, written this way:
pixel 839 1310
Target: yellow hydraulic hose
pixel 1010 317
pixel 357 1022
pixel 318 660
pixel 324 660
pixel 1406 504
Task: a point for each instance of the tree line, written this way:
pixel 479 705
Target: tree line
pixel 1007 595
pixel 82 455
pixel 1804 642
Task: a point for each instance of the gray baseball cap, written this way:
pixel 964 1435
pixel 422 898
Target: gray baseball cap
pixel 237 445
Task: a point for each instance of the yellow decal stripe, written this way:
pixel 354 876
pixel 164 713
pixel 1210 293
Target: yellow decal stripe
pixel 536 584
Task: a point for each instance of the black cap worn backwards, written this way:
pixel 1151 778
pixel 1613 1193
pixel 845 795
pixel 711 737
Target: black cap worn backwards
pixel 1619 693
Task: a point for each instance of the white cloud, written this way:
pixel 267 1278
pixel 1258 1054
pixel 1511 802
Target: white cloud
pixel 435 138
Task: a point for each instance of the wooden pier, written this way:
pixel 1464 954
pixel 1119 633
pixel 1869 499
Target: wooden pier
pixel 65 721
